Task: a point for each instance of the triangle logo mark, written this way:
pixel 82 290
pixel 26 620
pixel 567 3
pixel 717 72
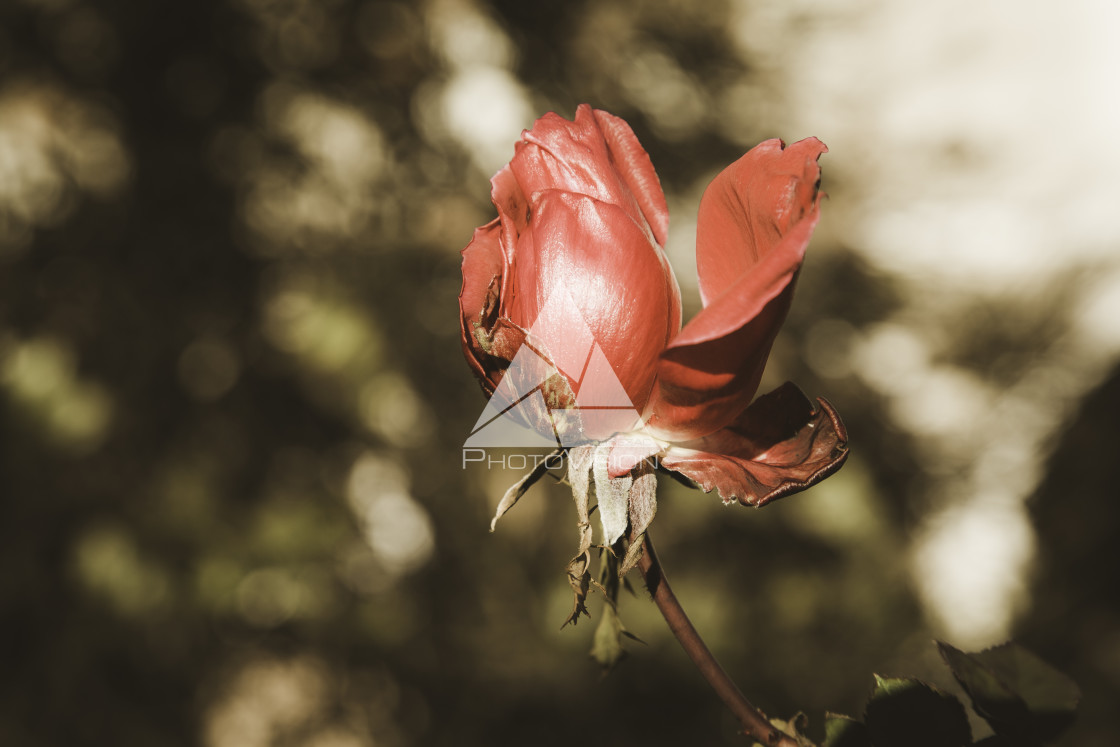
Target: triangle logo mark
pixel 601 408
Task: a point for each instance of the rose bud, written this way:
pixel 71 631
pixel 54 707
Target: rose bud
pixel 571 314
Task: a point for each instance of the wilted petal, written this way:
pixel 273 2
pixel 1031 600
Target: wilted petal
pixel 483 268
pixel 512 204
pixel 780 445
pixel 755 222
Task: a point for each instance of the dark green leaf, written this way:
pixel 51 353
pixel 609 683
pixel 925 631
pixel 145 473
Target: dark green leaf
pixel 1021 696
pixel 1050 695
pixel 841 731
pixel 910 713
pixel 1005 711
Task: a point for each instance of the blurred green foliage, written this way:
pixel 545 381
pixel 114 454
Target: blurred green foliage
pixel 232 399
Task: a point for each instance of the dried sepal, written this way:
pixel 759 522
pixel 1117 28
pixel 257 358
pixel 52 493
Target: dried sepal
pixel 519 488
pixel 579 574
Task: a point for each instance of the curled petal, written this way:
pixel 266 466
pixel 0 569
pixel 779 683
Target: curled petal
pixel 749 209
pixel 755 222
pixel 779 446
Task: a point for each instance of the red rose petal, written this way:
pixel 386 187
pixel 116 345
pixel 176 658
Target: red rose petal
pixel 779 446
pixel 755 222
pixel 615 276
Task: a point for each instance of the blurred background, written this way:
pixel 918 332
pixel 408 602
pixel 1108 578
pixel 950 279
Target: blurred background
pixel 232 398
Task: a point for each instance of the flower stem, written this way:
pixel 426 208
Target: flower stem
pixel 754 723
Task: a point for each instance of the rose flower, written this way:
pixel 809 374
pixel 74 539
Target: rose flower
pixel 574 268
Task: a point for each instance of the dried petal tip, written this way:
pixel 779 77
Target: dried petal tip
pixel 779 446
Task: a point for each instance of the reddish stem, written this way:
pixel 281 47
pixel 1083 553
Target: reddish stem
pixel 753 721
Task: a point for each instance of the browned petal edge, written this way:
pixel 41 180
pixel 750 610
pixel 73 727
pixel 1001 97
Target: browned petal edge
pixel 482 272
pixel 777 451
pixel 836 460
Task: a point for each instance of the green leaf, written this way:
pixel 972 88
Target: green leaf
pixel 910 713
pixel 1001 707
pixel 842 731
pixel 1051 696
pixel 1019 695
pixel 992 699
